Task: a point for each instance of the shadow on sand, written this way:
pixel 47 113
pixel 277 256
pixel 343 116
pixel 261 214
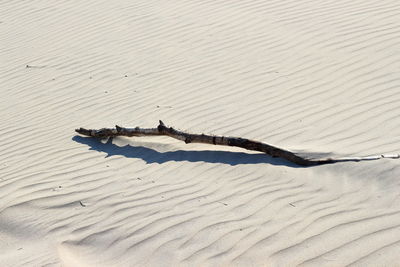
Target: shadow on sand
pixel 153 156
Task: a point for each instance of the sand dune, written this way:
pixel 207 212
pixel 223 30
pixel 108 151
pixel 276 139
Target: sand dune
pixel 312 76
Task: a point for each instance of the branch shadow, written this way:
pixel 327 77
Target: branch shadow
pixel 153 156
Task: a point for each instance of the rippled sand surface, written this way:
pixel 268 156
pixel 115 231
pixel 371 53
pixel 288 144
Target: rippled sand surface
pixel 309 76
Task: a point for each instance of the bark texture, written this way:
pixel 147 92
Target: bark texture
pixel 220 140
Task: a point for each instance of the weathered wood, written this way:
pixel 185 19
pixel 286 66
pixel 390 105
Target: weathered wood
pixel 220 140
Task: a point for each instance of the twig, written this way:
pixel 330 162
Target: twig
pixel 34 67
pixel 220 140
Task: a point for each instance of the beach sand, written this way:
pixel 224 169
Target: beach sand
pixel 308 76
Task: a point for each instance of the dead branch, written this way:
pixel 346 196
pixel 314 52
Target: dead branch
pixel 220 140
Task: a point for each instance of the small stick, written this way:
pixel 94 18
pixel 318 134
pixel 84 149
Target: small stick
pixel 220 140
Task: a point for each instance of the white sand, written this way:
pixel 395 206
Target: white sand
pixel 318 76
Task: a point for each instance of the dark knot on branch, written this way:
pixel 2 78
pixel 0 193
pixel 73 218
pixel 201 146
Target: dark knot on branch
pixel 161 127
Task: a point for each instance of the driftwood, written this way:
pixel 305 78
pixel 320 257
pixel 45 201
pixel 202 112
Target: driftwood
pixel 220 140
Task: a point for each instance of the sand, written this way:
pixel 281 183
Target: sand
pixel 311 76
